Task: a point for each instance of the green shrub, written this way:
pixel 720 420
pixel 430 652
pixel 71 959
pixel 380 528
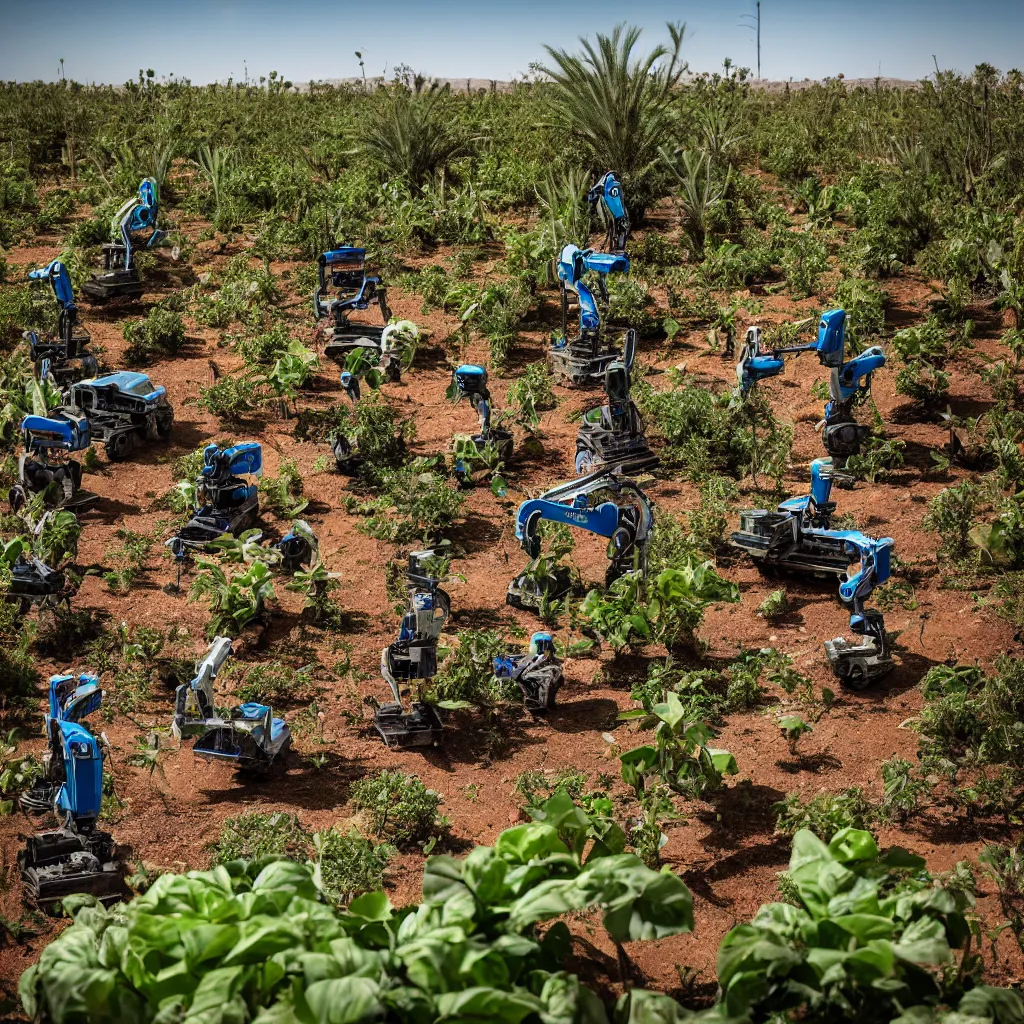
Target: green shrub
pixel 951 515
pixel 824 814
pixel 255 835
pixel 162 333
pixel 348 864
pixel 466 675
pixel 419 503
pixel 400 808
pixel 270 682
pixel 893 957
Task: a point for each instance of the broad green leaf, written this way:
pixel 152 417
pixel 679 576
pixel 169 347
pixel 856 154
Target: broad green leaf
pixel 371 906
pixel 344 1000
pixel 487 1004
pixel 523 843
pixel 853 844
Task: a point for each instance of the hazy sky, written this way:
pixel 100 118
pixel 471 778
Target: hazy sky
pixel 210 40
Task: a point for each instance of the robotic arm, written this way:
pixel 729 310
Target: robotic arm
pixel 138 214
pixel 346 268
pixel 60 281
pixel 573 263
pixel 193 701
pixel 858 664
pixel 607 194
pixel 627 525
pixel 470 381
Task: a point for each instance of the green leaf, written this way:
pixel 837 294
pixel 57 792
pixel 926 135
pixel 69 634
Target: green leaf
pixel 853 844
pixel 487 1004
pixel 524 843
pixel 371 906
pixel 344 1000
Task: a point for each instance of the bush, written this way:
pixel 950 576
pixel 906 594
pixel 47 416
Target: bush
pixel 162 333
pixel 467 673
pixel 348 864
pixel 400 808
pixel 707 434
pixel 255 835
pixel 269 682
pixel 419 503
pixel 951 515
pixel 867 938
pixel 257 941
pixel 824 814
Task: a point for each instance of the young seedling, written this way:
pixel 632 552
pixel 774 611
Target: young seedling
pixel 793 728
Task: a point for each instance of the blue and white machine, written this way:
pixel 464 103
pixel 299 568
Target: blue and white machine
pixel 849 384
pixel 411 660
pixel 63 357
pixel 625 517
pixel 136 216
pixel 75 857
pixel 227 495
pixel 612 436
pixel 344 286
pixel 470 381
pixel 43 468
pixel 537 673
pixel 607 196
pixel 249 737
pixel 584 357
pixel 123 410
pixel 797 537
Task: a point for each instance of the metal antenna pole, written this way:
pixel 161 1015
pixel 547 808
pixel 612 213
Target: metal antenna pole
pixel 758 38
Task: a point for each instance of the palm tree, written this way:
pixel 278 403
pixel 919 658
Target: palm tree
pixel 411 133
pixel 618 105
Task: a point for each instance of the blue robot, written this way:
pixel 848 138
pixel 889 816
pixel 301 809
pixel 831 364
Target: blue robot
pixel 64 357
pixel 583 358
pixel 537 673
pixel 249 737
pixel 411 660
pixel 136 216
pixel 849 384
pixel 607 197
pixel 470 381
pixel 797 537
pixel 612 436
pixel 76 857
pixel 625 518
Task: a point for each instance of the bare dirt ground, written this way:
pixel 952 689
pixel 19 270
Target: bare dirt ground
pixel 726 850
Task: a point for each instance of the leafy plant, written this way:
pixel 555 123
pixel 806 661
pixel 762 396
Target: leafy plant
pixel 131 558
pixel 618 106
pixel 283 493
pixel 774 605
pixel 400 809
pixel 466 674
pixel 418 504
pixel 871 938
pixel 244 938
pixel 877 459
pixel 234 602
pixel 681 756
pixel 793 728
pixel 317 586
pixel 348 864
pixel 162 333
pixel 823 814
pixel 255 835
pixel 951 515
pixel 411 134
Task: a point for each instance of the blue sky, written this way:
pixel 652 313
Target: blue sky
pixel 209 40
